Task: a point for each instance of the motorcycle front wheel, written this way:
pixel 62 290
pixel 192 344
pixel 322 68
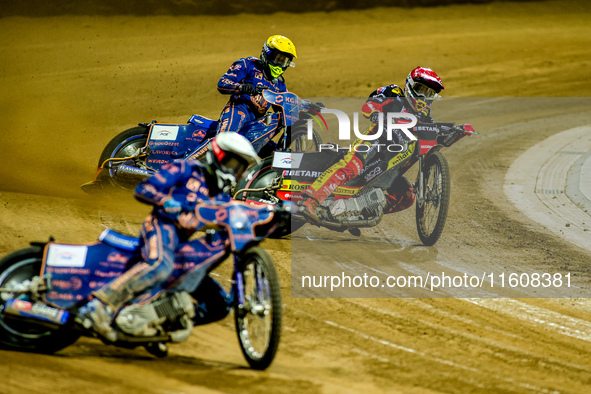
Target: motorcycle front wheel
pixel 431 213
pixel 16 271
pixel 299 141
pixel 258 319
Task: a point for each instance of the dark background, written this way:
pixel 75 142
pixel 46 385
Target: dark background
pixel 199 7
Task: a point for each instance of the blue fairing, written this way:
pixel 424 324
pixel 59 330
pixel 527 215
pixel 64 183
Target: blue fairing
pixel 239 219
pixel 203 122
pixel 120 241
pixel 169 142
pixel 290 104
pixel 78 270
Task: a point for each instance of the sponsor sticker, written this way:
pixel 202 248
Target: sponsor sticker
pixel 302 173
pixel 402 156
pixel 373 173
pixel 66 255
pixel 287 160
pixel 164 132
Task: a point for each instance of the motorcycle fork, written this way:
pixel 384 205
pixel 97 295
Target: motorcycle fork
pixel 419 186
pixel 238 298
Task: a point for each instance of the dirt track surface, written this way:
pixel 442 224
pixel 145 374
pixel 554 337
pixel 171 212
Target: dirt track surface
pixel 69 84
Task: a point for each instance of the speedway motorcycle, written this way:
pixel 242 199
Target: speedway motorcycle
pixel 362 201
pixel 139 152
pixel 43 287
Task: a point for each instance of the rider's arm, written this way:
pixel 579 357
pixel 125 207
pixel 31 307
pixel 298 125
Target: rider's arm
pixel 425 118
pixel 380 98
pixel 231 81
pixel 156 189
pixel 374 105
pixel 370 107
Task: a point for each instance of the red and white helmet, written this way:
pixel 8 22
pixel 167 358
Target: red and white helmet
pixel 422 84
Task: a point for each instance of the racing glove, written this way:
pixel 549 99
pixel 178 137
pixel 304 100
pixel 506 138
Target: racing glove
pixel 466 127
pixel 249 89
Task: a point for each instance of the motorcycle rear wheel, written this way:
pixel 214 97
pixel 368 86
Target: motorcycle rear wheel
pixel 16 268
pixel 125 144
pixel 432 213
pixel 264 174
pixel 258 321
pixel 262 177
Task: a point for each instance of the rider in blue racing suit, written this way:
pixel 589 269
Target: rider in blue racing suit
pixel 174 192
pixel 244 81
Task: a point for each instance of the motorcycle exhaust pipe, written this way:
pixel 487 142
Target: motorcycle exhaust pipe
pixel 126 173
pixel 36 312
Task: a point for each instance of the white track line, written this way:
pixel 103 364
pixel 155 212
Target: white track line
pixel 585 178
pixel 435 358
pixel 536 184
pixel 424 355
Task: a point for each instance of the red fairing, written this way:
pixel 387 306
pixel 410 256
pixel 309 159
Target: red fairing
pixel 426 146
pixel 288 196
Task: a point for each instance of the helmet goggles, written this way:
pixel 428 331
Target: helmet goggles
pixel 277 58
pixel 229 162
pixel 422 90
pixel 233 164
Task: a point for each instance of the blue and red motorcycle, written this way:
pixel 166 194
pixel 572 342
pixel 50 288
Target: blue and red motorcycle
pixel 139 152
pixel 43 287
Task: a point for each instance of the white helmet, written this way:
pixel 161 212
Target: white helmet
pixel 230 155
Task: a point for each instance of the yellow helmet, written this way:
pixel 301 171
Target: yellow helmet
pixel 278 53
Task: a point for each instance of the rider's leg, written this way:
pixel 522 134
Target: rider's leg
pixel 338 174
pixel 159 239
pixel 240 119
pixel 233 117
pixel 212 302
pixel 259 134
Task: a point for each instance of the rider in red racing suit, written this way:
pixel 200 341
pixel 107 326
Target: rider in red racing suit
pixel 421 88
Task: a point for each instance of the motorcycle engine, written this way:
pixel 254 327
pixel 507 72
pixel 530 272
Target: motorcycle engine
pixel 366 206
pixel 173 312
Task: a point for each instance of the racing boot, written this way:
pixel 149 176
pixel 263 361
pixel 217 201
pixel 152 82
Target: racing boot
pixel 338 174
pixel 310 204
pixel 101 315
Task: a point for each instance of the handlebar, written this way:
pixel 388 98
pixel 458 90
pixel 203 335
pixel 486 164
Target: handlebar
pixel 457 132
pixel 260 88
pixel 315 106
